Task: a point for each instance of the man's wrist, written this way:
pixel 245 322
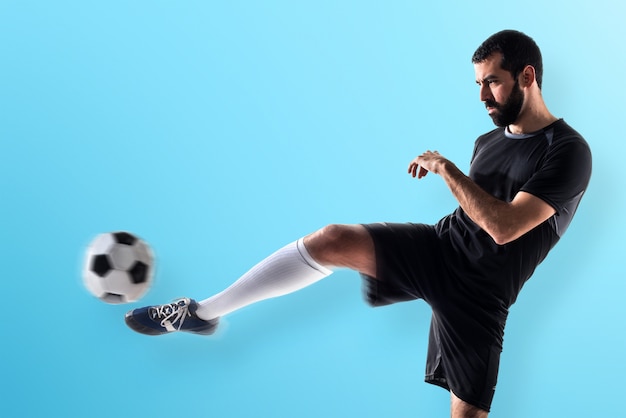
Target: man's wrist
pixel 446 168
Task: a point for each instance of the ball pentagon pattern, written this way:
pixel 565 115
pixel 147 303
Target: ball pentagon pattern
pixel 118 267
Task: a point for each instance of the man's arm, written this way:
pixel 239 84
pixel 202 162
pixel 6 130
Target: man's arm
pixel 503 221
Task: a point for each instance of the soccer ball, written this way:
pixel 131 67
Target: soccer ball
pixel 118 267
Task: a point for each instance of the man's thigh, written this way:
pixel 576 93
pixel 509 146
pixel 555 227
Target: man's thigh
pixel 409 263
pixel 461 409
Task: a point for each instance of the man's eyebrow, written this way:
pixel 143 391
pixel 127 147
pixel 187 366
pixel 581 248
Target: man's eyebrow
pixel 489 77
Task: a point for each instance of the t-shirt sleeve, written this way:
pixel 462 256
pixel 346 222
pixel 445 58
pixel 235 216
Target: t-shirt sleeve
pixel 564 174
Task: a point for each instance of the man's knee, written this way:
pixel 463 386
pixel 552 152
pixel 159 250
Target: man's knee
pixel 340 245
pixel 337 235
pixel 329 240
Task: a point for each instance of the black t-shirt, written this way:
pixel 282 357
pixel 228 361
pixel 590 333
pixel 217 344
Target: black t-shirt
pixel 553 164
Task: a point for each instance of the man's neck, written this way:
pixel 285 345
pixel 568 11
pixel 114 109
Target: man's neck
pixel 532 119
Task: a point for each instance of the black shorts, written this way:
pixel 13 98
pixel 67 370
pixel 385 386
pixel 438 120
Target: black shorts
pixel 465 341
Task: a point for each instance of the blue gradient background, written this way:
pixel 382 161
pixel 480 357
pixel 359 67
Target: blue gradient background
pixel 220 131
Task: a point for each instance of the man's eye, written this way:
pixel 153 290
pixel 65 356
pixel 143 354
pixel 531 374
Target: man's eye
pixel 487 82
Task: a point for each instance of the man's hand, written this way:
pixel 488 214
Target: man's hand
pixel 430 161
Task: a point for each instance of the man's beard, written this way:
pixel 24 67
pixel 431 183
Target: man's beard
pixel 507 113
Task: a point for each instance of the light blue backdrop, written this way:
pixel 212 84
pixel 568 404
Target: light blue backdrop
pixel 220 131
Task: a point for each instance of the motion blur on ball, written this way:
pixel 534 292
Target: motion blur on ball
pixel 118 268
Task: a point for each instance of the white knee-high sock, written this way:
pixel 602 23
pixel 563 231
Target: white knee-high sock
pixel 289 269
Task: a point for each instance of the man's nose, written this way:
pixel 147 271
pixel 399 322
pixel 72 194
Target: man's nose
pixel 485 92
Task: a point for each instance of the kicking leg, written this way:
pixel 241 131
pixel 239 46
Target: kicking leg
pixel 294 267
pixel 291 268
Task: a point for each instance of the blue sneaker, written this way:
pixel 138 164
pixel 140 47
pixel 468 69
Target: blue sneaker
pixel 179 315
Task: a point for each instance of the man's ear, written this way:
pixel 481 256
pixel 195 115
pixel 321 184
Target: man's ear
pixel 527 76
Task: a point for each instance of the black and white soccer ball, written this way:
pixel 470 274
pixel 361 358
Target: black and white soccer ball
pixel 118 268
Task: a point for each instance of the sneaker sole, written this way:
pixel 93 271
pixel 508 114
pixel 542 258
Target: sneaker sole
pixel 143 329
pixel 140 328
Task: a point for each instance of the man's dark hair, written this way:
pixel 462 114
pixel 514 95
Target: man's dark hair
pixel 518 50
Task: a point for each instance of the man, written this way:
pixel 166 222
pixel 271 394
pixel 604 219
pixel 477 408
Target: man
pixel 525 182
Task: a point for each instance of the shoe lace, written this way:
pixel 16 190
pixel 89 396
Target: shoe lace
pixel 171 313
